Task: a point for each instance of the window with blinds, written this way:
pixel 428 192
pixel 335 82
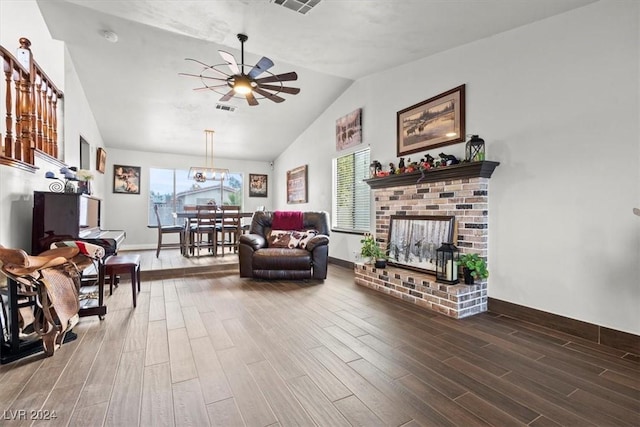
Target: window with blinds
pixel 351 196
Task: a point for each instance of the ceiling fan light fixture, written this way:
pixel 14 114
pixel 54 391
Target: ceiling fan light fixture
pixel 242 85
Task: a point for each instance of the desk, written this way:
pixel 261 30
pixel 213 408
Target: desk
pixel 189 215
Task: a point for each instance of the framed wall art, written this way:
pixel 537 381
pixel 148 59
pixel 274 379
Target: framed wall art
pixel 436 122
pixel 297 185
pixel 101 160
pixel 257 185
pixel 413 240
pixel 349 130
pixel 126 179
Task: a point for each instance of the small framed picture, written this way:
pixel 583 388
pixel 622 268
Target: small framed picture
pixel 257 185
pixel 101 160
pixel 126 179
pixel 297 185
pixel 349 130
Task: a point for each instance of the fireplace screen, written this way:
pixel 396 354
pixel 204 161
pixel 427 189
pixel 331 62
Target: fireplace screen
pixel 413 240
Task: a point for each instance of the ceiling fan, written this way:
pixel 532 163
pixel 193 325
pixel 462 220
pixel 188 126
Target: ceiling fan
pixel 244 85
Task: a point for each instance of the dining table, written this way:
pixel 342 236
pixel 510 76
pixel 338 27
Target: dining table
pixel 191 215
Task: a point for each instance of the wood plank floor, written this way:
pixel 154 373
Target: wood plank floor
pixel 218 350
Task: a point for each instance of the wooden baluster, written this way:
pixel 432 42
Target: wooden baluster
pixel 25 120
pixel 37 123
pixel 17 146
pixel 8 138
pixel 46 137
pixel 54 126
pixel 50 113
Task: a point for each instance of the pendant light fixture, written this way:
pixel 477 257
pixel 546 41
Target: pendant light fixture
pixel 208 172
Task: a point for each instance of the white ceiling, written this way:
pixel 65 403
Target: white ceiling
pixel 141 103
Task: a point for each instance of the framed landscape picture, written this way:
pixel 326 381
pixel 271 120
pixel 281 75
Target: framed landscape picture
pixel 126 179
pixel 257 185
pixel 436 122
pixel 297 185
pixel 413 240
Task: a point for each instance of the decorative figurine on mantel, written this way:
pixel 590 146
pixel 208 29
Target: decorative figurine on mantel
pixel 448 159
pixel 392 169
pixel 400 165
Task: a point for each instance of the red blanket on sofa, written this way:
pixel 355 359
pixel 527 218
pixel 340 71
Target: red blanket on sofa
pixel 287 220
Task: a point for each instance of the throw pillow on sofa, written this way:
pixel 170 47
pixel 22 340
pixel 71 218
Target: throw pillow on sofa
pixel 290 239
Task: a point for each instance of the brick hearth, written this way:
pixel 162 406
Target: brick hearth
pixel 439 193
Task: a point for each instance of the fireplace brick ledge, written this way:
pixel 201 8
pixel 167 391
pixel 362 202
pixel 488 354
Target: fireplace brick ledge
pixel 457 301
pixel 482 169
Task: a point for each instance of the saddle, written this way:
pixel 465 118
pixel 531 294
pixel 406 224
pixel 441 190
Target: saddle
pixel 53 278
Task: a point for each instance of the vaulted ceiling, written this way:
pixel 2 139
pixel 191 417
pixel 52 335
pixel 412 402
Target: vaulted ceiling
pixel 141 103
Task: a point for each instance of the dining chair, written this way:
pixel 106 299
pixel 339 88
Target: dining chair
pixel 168 229
pixel 203 230
pixel 230 227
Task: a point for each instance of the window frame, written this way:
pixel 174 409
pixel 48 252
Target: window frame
pixel 173 202
pixel 358 224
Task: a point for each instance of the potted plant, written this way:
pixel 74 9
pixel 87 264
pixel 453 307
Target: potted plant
pixel 84 178
pixel 473 267
pixel 380 257
pixel 371 250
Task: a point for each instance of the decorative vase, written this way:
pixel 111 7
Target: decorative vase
pixel 468 278
pixel 381 263
pixel 84 187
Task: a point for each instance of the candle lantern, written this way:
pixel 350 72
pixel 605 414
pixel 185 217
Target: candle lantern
pixel 447 264
pixel 475 149
pixel 374 168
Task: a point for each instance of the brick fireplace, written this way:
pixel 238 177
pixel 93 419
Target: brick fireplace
pixel 461 191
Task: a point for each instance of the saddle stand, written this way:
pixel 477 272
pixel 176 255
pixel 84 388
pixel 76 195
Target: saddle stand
pixel 53 280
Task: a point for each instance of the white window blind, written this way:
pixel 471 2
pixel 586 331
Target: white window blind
pixel 352 198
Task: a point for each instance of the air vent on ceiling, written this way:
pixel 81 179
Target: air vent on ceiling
pixel 300 6
pixel 224 107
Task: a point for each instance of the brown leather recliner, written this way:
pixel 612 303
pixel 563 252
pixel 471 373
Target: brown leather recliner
pixel 259 260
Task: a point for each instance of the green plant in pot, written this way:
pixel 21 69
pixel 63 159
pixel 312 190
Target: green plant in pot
pixel 371 250
pixel 473 267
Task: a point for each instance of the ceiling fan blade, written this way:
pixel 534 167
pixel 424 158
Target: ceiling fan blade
pixel 203 77
pixel 263 65
pixel 284 89
pixel 208 66
pixel 233 65
pixel 227 96
pixel 279 78
pixel 274 98
pixel 251 99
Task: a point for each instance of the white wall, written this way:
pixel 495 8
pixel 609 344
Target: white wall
pixel 129 211
pixel 557 102
pixel 23 19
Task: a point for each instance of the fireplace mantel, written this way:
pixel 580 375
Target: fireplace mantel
pixel 482 169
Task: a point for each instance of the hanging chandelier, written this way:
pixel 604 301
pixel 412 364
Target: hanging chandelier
pixel 207 172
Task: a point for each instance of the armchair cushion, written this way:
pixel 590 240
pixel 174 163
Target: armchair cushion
pixel 290 238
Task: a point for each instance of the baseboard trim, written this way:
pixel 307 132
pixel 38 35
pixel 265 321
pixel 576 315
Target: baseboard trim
pixel 599 334
pixel 341 262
